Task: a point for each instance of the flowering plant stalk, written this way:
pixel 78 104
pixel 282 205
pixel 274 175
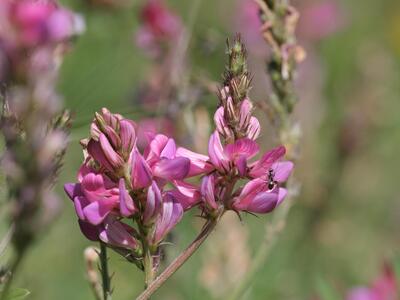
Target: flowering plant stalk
pixel 130 200
pixel 34 35
pixel 279 20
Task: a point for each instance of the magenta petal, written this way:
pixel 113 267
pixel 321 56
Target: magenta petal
pixel 243 147
pixel 96 152
pixel 241 164
pixel 80 203
pixel 198 163
pixel 261 167
pixel 113 157
pixel 128 135
pixel 169 150
pixel 141 173
pixel 245 112
pixel 186 194
pixel 73 190
pixel 116 234
pixel 361 293
pixel 263 203
pixel 153 203
pixel 171 169
pixel 253 129
pixel 126 205
pixel 207 191
pixel 282 170
pixel 171 214
pixel 91 232
pixel 216 151
pixel 96 212
pixel 154 149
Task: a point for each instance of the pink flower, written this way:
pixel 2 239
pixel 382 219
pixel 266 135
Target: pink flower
pixel 40 22
pixel 171 213
pixel 321 20
pixel 384 288
pixel 159 25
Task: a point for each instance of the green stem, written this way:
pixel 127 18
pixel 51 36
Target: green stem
pixel 181 259
pixel 148 268
pixel 104 272
pixel 13 269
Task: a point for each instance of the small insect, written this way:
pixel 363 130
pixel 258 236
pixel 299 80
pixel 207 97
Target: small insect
pixel 271 182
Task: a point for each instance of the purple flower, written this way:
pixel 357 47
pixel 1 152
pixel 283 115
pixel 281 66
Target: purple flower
pixel 384 288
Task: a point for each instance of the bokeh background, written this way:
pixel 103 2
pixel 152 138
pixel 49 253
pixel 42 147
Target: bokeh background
pixel 346 221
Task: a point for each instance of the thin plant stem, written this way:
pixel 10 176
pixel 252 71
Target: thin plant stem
pixel 148 268
pixel 13 269
pixel 208 227
pixel 104 272
pixel 6 239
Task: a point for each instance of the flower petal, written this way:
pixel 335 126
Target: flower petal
pixel 113 157
pixel 198 162
pixel 171 169
pixel 243 147
pixel 153 204
pixel 141 173
pixel 73 190
pixel 126 205
pixel 261 167
pixel 186 194
pixel 97 153
pixel 115 234
pixel 91 232
pixel 207 192
pixel 97 211
pixel 282 170
pixel 216 151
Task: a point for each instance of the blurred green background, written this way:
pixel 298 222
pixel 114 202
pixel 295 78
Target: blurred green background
pixel 345 223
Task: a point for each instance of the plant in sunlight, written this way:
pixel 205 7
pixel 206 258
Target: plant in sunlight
pixel 130 200
pixel 34 35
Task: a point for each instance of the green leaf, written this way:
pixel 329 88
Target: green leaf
pixel 17 294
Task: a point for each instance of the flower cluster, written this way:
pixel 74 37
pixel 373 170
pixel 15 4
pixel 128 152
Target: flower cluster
pixel 33 123
pixel 159 26
pixel 117 183
pixel 30 30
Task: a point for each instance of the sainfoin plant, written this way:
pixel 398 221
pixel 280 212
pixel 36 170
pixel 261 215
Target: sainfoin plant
pixel 129 200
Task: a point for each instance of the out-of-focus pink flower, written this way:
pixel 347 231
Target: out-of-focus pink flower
pixel 158 26
pixel 248 24
pixel 35 23
pixel 148 128
pixel 320 20
pixel 383 288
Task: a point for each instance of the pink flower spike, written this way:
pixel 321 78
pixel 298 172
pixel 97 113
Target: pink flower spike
pixel 172 169
pixel 207 192
pixel 153 204
pixel 198 163
pixel 141 173
pixel 126 205
pixel 261 167
pixel 216 151
pixel 117 234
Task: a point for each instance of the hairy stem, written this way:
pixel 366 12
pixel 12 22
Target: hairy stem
pixel 181 259
pixel 104 272
pixel 148 268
